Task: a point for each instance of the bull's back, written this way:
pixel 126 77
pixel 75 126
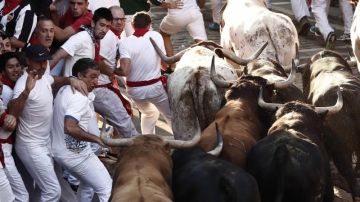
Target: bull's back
pixel 241 129
pixel 251 30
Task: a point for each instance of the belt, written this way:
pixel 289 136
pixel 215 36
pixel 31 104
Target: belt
pixel 142 83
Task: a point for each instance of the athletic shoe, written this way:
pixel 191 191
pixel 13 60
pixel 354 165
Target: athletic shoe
pixel 214 26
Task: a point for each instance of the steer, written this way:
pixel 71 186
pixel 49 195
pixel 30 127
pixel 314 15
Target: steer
pixel 192 94
pixel 144 168
pixel 291 163
pixel 247 24
pixel 198 176
pixel 241 121
pixel 321 78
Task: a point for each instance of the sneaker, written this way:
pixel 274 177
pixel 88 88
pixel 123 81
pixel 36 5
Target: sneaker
pixel 304 26
pixel 344 37
pixel 330 41
pixel 313 29
pixel 214 26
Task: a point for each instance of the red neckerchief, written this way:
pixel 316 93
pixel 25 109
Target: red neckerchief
pixel 9 6
pixel 97 52
pixel 117 33
pixel 5 80
pixel 140 31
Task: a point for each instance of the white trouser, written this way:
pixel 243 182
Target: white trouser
pixel 300 9
pixel 13 175
pixel 6 194
pixel 216 10
pixel 320 9
pixel 150 108
pixel 108 104
pixel 347 13
pixel 39 163
pixel 91 173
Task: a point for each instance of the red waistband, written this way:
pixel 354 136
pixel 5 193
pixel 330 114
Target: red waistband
pixel 9 140
pixel 142 83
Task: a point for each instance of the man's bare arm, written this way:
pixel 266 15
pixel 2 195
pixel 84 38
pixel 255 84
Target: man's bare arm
pixel 60 54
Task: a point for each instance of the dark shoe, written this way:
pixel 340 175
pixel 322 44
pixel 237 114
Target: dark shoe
pixel 313 29
pixel 304 26
pixel 214 26
pixel 330 41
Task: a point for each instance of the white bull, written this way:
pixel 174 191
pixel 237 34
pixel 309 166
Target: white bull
pixel 247 24
pixel 194 98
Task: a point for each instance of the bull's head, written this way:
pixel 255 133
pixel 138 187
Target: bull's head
pixel 319 110
pixel 227 84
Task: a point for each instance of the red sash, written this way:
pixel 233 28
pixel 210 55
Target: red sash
pixel 162 78
pixel 9 140
pixel 124 101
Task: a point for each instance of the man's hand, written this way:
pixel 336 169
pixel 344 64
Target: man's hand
pixel 77 84
pixel 178 4
pixel 9 122
pixel 31 80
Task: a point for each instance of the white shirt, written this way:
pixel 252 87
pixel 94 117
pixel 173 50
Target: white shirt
pixel 6 95
pixel 75 106
pixel 95 4
pixel 77 46
pixel 145 63
pixel 35 121
pixel 109 46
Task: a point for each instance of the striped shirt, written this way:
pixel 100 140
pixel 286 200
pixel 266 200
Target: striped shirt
pixel 19 22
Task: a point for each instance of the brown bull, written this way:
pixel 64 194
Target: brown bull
pixel 241 121
pixel 321 78
pixel 143 171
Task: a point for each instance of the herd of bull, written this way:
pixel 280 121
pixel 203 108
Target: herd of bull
pixel 243 131
pixel 246 134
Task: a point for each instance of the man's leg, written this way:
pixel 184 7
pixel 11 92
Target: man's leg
pixel 13 175
pixel 319 8
pixel 5 188
pixel 149 116
pixel 108 104
pixel 162 104
pixel 93 174
pixel 39 163
pixel 167 42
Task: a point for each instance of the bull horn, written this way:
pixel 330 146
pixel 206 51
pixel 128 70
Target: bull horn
pixel 231 56
pixel 265 105
pixel 333 109
pixel 297 56
pixel 207 43
pixel 218 82
pixel 113 142
pixel 168 60
pixel 291 78
pixel 220 143
pixel 182 144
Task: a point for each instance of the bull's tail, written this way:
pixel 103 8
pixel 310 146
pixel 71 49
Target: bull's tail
pixel 281 158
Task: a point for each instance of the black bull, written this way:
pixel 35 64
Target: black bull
pixel 321 77
pixel 291 163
